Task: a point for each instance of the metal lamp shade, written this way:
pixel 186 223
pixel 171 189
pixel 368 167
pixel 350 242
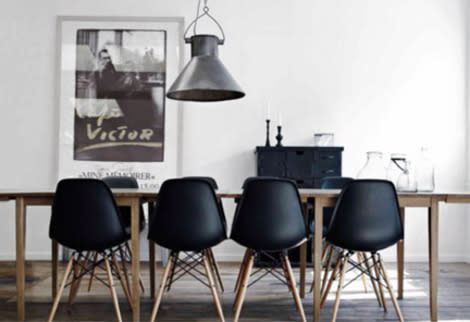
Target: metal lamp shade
pixel 205 78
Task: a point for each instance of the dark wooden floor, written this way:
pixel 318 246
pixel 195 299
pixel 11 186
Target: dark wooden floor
pixel 267 300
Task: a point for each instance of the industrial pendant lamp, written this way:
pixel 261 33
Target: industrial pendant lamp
pixel 204 78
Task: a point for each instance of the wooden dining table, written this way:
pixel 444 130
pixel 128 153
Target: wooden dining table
pixel 311 198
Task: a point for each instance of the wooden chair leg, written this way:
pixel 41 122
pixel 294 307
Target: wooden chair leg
pixel 243 286
pixel 216 270
pixel 210 278
pixel 112 290
pixel 173 269
pixel 124 266
pixel 340 286
pixel 92 276
pixel 286 272
pixel 372 281
pixel 240 272
pixel 327 269
pixel 390 290
pixel 363 276
pixel 291 281
pixel 61 289
pixel 122 280
pixel 381 291
pixel 332 278
pixel 78 270
pixel 161 288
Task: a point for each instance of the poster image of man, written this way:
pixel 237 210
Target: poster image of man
pixel 120 95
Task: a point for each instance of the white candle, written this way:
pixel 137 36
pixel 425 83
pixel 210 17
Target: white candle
pixel 268 110
pixel 280 119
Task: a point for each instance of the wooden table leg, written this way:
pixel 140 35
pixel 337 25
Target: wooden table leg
pixel 317 252
pixel 55 266
pixel 433 226
pixel 20 258
pixel 135 235
pixel 401 257
pixel 151 255
pixel 303 258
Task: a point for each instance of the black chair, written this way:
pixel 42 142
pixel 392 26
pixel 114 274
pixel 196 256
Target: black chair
pixel 268 218
pixel 125 251
pixel 85 218
pixel 187 220
pixel 213 262
pixel 125 212
pixel 366 219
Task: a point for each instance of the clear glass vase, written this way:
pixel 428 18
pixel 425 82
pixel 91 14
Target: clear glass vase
pixel 396 167
pixel 374 167
pixel 425 172
pixel 406 181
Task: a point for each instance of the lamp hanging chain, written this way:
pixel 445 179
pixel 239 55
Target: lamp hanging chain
pixel 205 12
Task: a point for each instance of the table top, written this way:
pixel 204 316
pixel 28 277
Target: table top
pixel 225 193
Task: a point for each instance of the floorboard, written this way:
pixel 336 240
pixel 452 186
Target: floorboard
pixel 267 300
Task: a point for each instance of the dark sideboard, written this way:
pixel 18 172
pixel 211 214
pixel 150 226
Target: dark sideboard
pixel 306 165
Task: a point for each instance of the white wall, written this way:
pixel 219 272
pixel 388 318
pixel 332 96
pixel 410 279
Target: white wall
pixel 380 74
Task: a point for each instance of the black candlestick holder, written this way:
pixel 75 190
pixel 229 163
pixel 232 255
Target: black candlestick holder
pixel 279 136
pixel 267 133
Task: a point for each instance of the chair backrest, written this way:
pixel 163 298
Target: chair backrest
pixel 121 182
pixel 366 217
pixel 125 211
pixel 210 180
pixel 247 180
pixel 85 215
pixel 269 215
pixel 335 182
pixel 187 216
pixel 332 183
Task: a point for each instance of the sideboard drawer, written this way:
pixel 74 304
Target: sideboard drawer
pixel 299 163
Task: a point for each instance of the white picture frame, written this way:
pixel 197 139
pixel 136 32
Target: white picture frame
pixel 149 174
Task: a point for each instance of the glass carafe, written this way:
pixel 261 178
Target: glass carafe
pixel 406 181
pixel 425 171
pixel 374 167
pixel 396 167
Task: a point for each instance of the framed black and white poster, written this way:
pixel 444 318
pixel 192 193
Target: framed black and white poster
pixel 114 117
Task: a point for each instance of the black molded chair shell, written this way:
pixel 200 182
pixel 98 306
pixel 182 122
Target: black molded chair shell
pixel 187 216
pixel 335 182
pixel 125 212
pixel 366 217
pixel 85 216
pixel 214 186
pixel 269 215
pixel 247 180
pixel 209 180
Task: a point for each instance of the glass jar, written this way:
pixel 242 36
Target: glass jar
pixel 396 167
pixel 425 172
pixel 406 181
pixel 374 167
